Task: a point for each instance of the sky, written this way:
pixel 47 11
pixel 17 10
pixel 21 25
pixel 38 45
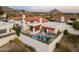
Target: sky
pixel 68 9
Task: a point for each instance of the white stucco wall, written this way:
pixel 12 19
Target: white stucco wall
pixel 62 27
pixel 52 45
pixel 39 46
pixel 6 39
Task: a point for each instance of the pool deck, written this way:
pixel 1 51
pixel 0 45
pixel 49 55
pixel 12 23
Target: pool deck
pixel 53 37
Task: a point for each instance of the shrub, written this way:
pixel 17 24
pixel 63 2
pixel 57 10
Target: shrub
pixel 57 45
pixel 76 25
pixel 17 30
pixel 66 32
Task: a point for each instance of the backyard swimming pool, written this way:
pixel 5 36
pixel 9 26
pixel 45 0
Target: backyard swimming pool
pixel 42 38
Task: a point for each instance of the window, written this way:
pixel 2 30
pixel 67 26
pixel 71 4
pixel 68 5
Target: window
pixel 3 31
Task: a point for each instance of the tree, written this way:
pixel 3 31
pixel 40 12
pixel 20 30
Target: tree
pixel 48 39
pixel 23 10
pixel 58 45
pixel 17 30
pixel 66 32
pixel 1 11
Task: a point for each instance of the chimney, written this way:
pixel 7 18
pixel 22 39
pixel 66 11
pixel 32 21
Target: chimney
pixel 23 17
pixel 41 20
pixel 62 19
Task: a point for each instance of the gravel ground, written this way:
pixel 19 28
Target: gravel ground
pixel 15 46
pixel 69 43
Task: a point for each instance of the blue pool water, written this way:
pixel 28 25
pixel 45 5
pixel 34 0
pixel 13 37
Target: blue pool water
pixel 39 37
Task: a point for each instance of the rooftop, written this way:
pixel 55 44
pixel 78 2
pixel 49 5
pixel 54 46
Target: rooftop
pixel 35 18
pixel 17 18
pixel 5 24
pixel 52 24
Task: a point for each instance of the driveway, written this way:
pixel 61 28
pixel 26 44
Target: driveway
pixel 72 30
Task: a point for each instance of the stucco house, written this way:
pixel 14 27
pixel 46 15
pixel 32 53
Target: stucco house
pixel 34 23
pixel 5 28
pixel 6 32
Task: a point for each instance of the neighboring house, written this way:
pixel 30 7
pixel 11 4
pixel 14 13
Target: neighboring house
pixel 5 28
pixel 18 20
pixel 6 33
pixel 3 17
pixel 57 15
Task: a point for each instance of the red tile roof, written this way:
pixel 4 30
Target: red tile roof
pixel 17 18
pixel 30 19
pixel 35 18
